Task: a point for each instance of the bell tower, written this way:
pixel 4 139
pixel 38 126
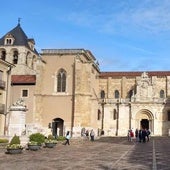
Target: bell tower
pixel 18 49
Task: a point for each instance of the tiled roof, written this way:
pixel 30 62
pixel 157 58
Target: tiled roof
pixel 133 74
pixel 23 79
pixel 21 38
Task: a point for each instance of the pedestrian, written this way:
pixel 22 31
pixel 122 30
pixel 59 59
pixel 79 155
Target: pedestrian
pixel 131 135
pixel 137 135
pixel 67 138
pixel 144 135
pixel 92 134
pixel 148 134
pixel 140 135
pixel 87 134
pixel 128 135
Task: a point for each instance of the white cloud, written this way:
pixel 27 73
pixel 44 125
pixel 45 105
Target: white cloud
pixel 152 15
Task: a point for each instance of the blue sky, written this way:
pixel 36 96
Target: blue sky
pixel 123 35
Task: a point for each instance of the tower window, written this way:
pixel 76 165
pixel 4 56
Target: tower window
pixel 15 57
pixel 8 41
pixel 3 55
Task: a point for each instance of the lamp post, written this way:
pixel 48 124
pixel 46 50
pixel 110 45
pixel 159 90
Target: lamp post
pixel 117 122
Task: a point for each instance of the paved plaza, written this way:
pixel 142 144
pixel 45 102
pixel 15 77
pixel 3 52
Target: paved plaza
pixel 106 153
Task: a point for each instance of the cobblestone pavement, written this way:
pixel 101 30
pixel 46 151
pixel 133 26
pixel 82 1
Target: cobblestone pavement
pixel 107 153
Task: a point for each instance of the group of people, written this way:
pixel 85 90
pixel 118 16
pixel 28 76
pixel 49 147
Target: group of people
pixel 141 135
pixel 86 134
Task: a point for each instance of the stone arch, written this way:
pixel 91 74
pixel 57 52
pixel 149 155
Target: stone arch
pixel 58 127
pixel 3 54
pixel 14 53
pixel 144 119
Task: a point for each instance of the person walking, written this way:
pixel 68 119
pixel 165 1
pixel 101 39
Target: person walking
pixel 144 135
pixel 92 135
pixel 147 134
pixel 87 134
pixel 137 135
pixel 67 138
pixel 140 135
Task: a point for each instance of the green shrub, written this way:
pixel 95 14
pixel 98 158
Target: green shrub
pixel 4 140
pixel 37 137
pixel 15 140
pixel 61 138
pixel 50 137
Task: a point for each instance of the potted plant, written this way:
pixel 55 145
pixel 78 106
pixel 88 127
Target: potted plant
pixel 35 141
pixel 14 146
pixel 50 142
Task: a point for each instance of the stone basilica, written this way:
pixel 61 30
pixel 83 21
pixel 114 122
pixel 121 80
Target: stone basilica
pixel 63 89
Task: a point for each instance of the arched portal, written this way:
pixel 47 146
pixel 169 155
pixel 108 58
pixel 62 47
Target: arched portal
pixel 144 119
pixel 57 127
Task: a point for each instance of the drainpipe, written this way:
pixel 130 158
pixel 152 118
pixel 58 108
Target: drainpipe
pixel 117 122
pixel 130 115
pixel 73 95
pixel 102 124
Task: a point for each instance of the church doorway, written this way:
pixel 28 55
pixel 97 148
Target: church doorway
pixel 144 124
pixel 57 127
pixel 144 119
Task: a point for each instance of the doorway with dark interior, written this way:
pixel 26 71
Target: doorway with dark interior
pixel 57 127
pixel 144 124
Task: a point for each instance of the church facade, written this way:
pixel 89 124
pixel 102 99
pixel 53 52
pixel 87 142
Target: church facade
pixel 64 90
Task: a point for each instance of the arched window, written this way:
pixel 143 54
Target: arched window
pixel 162 94
pixel 3 55
pixel 15 57
pixel 61 81
pixel 102 94
pixel 116 94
